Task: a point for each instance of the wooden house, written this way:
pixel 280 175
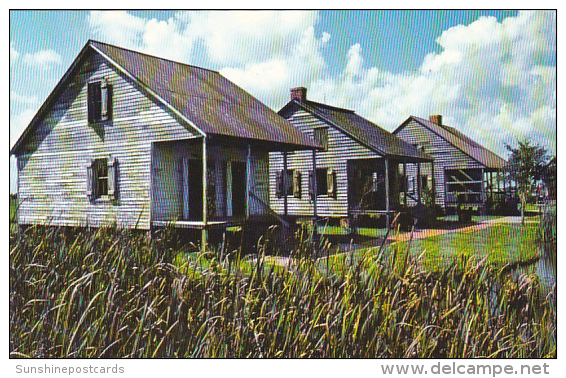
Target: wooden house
pixel 133 140
pixel 465 174
pixel 358 172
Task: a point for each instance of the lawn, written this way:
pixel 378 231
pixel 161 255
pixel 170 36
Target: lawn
pixel 501 243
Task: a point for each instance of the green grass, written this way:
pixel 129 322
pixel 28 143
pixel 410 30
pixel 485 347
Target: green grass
pixel 500 244
pixel 111 293
pixel 13 209
pixel 341 231
pixel 475 218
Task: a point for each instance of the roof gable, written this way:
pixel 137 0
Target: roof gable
pixel 206 100
pixel 460 141
pixel 213 103
pixel 362 130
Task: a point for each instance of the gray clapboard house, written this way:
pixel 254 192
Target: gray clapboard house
pixel 466 173
pixel 359 171
pixel 124 138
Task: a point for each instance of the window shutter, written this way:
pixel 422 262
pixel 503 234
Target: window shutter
pixel 113 178
pixel 89 180
pixel 279 184
pixel 331 182
pixel 90 103
pixel 104 100
pixel 312 177
pixel 297 184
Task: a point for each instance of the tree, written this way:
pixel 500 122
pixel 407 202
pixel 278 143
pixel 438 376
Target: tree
pixel 526 163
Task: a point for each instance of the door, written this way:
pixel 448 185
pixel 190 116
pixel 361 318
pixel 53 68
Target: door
pixel 192 189
pixel 238 189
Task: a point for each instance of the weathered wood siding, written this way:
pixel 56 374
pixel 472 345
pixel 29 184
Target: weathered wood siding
pixel 341 148
pixel 445 156
pixel 52 174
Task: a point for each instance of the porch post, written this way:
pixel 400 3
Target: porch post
pixel 433 183
pixel 483 189
pixel 405 184
pixel 248 182
pixel 387 192
pixel 315 189
pixel 285 183
pixel 491 184
pixel 419 182
pixel 204 197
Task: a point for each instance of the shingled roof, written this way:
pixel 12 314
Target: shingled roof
pixel 207 100
pixel 368 133
pixel 457 139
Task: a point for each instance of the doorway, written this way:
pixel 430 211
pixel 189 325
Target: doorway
pixel 238 189
pixel 192 189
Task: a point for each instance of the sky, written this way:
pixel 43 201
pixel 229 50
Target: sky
pixel 490 74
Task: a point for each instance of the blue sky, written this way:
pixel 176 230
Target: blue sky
pixel 490 74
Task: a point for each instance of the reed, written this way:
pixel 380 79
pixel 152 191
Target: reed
pixel 114 293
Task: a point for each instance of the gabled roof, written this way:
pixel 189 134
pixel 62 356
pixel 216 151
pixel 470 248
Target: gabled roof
pixel 368 133
pixel 468 146
pixel 204 98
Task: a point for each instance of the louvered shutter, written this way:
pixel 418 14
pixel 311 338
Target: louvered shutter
pixel 312 178
pixel 113 178
pixel 331 182
pixel 90 102
pixel 297 184
pixel 104 98
pixel 89 180
pixel 279 184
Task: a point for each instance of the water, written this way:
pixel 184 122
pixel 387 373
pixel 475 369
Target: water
pixel 544 268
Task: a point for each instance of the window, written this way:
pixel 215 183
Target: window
pixel 320 135
pixel 290 185
pixel 325 182
pixel 321 181
pixel 100 176
pixel 102 179
pixel 424 181
pixel 98 101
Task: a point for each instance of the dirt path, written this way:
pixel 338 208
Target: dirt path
pixel 427 233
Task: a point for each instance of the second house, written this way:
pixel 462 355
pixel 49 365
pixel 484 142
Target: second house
pixel 360 171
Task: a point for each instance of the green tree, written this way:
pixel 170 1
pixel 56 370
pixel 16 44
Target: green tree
pixel 526 163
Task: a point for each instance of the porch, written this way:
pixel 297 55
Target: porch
pixel 381 187
pixel 483 189
pixel 208 184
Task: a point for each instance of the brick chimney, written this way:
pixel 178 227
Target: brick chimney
pixel 437 118
pixel 299 94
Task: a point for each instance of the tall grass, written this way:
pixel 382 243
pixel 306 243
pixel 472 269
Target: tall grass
pixel 112 293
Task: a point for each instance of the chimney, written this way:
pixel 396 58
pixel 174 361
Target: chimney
pixel 437 118
pixel 299 94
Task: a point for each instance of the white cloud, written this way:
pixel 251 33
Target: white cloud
pixel 271 79
pixel 494 81
pixel 14 54
pixel 355 61
pixel 19 98
pixel 117 27
pixel 43 58
pixel 229 38
pixel 240 36
pixel 19 122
